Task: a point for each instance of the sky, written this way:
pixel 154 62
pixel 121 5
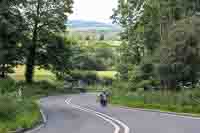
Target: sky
pixel 95 10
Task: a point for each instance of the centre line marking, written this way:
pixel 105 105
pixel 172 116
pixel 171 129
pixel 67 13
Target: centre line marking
pixel 102 116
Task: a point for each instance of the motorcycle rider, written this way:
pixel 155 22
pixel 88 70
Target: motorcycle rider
pixel 103 98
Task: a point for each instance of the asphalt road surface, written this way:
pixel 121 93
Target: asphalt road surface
pixel 82 114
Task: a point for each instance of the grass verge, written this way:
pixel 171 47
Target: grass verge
pixel 133 103
pixel 18 114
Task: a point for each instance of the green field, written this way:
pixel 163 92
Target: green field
pixel 106 74
pixel 40 74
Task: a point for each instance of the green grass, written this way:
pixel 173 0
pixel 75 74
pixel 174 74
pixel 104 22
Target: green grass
pixel 18 113
pixel 25 114
pixel 106 74
pixel 159 102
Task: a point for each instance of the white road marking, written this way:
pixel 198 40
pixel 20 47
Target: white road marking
pixel 103 116
pixel 117 128
pixel 163 113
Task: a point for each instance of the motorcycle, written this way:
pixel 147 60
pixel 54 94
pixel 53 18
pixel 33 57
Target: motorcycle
pixel 103 100
pixel 103 103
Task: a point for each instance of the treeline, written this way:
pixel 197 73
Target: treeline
pixel 160 42
pixel 31 34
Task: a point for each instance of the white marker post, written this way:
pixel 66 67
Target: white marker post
pixel 19 94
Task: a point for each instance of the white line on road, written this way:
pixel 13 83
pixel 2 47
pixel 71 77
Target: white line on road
pixel 164 113
pixel 103 116
pixel 117 128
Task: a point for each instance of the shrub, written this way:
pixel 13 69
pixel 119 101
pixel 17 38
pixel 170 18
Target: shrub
pixel 41 88
pixel 28 114
pixel 7 85
pixel 87 76
pixel 146 84
pixel 119 88
pixel 3 130
pixel 196 92
pixel 8 107
pixel 196 109
pixel 187 109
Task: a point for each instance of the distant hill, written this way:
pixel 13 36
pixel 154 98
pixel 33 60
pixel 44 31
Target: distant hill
pixel 82 25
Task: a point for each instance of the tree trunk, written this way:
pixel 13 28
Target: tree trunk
pixel 30 64
pixel 3 74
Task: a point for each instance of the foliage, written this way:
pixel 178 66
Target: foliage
pixel 56 56
pixel 44 19
pixel 18 114
pixel 7 85
pixel 180 102
pixel 87 38
pixel 102 37
pixel 153 44
pixel 8 107
pixel 87 76
pixel 180 54
pixel 41 88
pixel 89 58
pixel 36 89
pixel 11 34
pixel 119 88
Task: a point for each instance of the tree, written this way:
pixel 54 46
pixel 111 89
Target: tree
pixel 180 56
pixel 43 19
pixel 128 15
pixel 10 35
pixel 87 38
pixel 56 56
pixel 102 37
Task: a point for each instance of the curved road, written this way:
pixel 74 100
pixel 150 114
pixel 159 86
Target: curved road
pixel 81 114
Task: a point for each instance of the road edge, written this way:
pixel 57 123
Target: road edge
pixel 35 128
pixel 41 125
pixel 184 115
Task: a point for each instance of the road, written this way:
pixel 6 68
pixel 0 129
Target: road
pixel 81 114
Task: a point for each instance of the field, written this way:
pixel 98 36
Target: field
pixel 106 74
pixel 40 74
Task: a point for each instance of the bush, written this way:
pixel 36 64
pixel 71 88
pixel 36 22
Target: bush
pixel 3 130
pixel 7 85
pixel 16 114
pixel 86 76
pixel 28 114
pixel 187 109
pixel 196 109
pixel 119 88
pixel 146 84
pixel 41 88
pixel 8 107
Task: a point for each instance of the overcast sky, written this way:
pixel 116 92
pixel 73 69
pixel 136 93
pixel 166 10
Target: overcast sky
pixel 97 10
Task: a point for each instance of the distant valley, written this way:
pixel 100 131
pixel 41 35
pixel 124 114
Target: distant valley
pixel 93 29
pixel 82 25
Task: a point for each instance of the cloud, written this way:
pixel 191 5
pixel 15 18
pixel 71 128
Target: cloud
pixel 97 10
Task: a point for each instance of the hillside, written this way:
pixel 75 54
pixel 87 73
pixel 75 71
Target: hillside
pixel 82 25
pixel 82 29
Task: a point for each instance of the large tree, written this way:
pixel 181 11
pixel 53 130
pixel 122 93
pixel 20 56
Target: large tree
pixel 56 56
pixel 180 56
pixel 10 36
pixel 43 18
